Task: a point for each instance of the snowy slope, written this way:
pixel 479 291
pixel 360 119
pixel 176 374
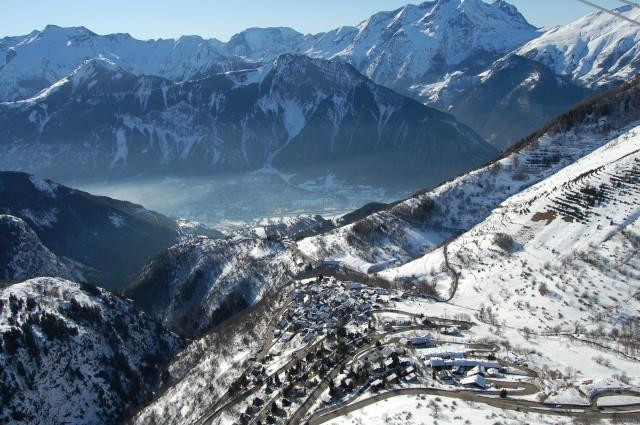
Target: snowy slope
pixel 439 52
pixel 205 369
pixel 75 354
pixel 294 228
pixel 23 255
pixel 596 50
pixel 564 251
pixel 423 222
pixel 512 99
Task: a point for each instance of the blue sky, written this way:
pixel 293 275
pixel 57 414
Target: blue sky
pixel 216 18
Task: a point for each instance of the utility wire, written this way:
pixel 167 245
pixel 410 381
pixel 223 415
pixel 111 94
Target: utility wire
pixel 630 3
pixel 611 12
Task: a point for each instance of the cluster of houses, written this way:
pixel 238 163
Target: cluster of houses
pixel 326 306
pixel 294 381
pixel 330 319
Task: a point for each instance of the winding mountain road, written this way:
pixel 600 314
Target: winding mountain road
pixel 572 410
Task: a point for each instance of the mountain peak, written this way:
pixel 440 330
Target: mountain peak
pixel 262 43
pixel 66 31
pixel 479 11
pixel 93 68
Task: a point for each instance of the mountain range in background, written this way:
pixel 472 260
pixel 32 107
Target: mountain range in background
pixel 298 115
pixel 127 107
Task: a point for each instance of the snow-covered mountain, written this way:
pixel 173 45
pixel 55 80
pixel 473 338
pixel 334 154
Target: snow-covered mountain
pixel 199 283
pixel 416 46
pixel 413 44
pixel 297 114
pixel 73 353
pixel 24 256
pixel 31 63
pixel 596 50
pixel 105 240
pixel 438 52
pixel 265 44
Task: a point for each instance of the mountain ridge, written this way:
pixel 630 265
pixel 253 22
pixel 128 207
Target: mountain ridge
pixel 121 124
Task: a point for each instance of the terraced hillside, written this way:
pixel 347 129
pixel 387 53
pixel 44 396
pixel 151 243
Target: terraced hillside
pixel 425 221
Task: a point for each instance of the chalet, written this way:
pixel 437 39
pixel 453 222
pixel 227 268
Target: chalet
pixel 244 418
pixel 364 306
pixel 412 377
pixel 470 363
pixel 391 378
pixel 465 364
pixel 475 381
pixel 357 366
pixel 258 402
pixel 476 370
pixel 450 330
pixel 388 351
pixel 283 323
pixel 492 372
pixel 444 355
pixel 437 363
pixel 286 402
pixel 287 336
pixel 445 377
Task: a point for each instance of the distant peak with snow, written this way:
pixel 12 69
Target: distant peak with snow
pixel 597 49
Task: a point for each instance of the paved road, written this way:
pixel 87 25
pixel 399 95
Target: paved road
pixel 268 342
pixel 577 411
pixel 341 272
